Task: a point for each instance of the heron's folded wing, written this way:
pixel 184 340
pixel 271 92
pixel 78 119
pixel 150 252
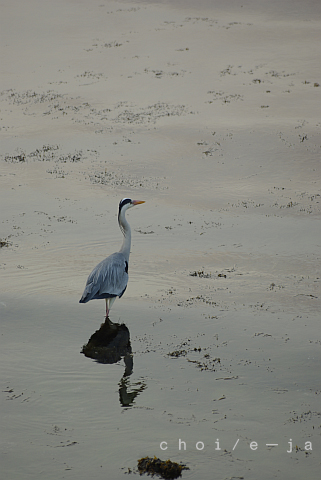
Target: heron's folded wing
pixel 108 279
pixel 112 275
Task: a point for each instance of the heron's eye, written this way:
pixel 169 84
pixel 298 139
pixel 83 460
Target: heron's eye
pixel 123 202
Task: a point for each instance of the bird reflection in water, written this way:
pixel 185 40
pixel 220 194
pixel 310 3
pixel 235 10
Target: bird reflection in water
pixel 109 345
pixel 108 280
pixel 127 393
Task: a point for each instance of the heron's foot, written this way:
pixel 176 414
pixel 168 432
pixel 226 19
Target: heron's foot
pixel 108 321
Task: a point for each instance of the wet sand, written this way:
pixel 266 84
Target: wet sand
pixel 211 114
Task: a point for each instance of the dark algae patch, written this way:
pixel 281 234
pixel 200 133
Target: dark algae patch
pixel 109 344
pixel 4 242
pixel 156 466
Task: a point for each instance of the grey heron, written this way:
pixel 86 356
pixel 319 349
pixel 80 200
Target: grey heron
pixel 109 278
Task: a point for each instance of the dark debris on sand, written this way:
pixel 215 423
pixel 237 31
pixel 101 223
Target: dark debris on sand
pixel 156 466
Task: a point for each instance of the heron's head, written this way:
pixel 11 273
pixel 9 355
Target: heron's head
pixel 127 203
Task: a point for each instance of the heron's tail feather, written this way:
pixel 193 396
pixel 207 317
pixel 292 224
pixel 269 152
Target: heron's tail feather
pixel 91 293
pixel 88 294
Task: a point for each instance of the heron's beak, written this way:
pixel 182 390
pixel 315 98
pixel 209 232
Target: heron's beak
pixel 137 202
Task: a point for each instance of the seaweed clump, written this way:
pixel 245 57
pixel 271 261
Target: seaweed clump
pixel 156 466
pixel 4 243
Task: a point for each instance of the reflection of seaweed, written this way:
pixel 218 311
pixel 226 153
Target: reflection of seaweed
pixel 156 466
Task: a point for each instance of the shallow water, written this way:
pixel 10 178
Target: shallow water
pixel 247 374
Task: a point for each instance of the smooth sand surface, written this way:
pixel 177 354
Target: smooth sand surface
pixel 210 112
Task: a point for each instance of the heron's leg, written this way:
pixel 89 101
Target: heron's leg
pixel 109 303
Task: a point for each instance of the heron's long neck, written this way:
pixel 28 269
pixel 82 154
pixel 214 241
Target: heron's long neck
pixel 125 228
